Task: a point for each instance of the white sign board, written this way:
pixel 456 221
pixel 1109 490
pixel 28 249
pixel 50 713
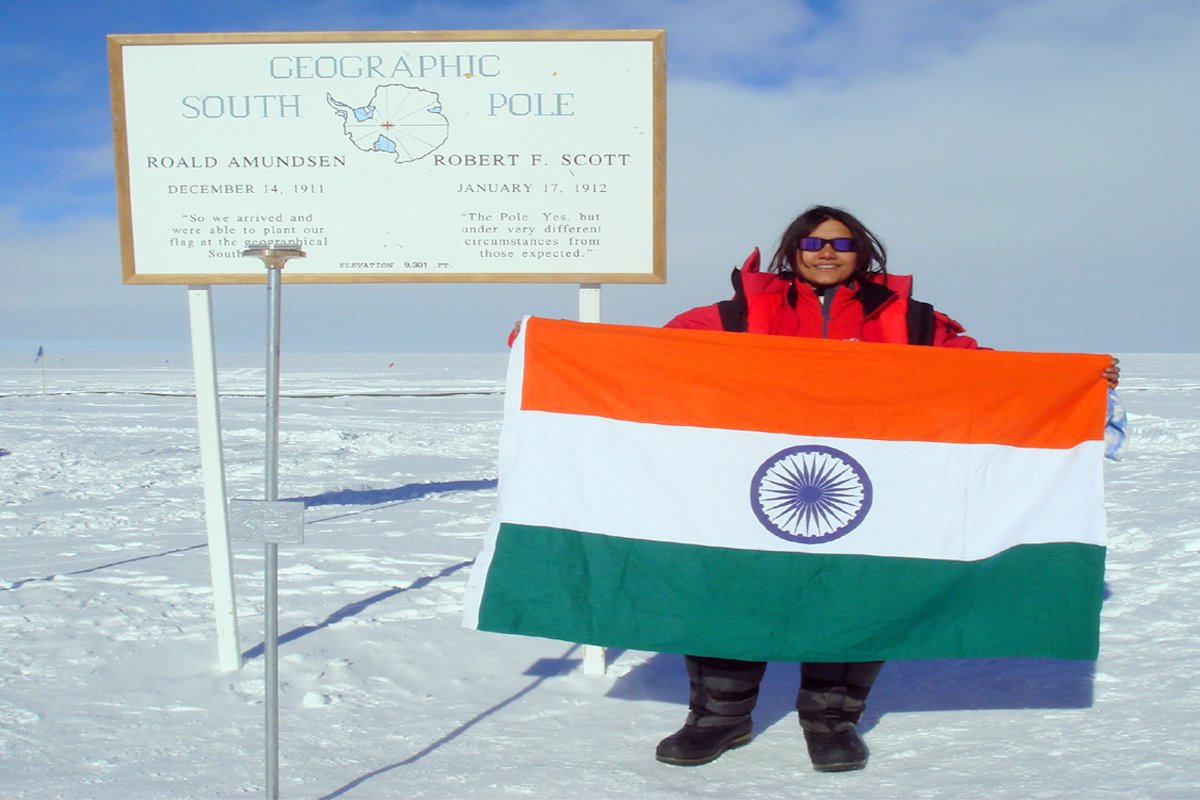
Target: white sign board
pixel 392 156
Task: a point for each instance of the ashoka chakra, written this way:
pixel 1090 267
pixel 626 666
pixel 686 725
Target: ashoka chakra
pixel 810 494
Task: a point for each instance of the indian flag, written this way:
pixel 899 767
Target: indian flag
pixel 774 498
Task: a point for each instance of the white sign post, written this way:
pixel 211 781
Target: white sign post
pixel 212 467
pixel 595 660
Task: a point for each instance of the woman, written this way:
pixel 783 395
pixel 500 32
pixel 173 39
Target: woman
pixel 827 279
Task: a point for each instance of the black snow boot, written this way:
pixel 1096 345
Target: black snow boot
pixel 701 740
pixel 723 693
pixel 830 703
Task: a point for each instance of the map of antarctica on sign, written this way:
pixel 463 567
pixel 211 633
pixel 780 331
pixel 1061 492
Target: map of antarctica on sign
pixel 402 121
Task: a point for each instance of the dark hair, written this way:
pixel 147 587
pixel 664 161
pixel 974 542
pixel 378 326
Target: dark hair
pixel 872 256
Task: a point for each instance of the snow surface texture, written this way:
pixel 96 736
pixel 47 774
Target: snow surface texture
pixel 108 680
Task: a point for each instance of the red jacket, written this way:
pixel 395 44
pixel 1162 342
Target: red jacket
pixel 881 310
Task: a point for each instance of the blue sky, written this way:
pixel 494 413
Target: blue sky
pixel 1031 162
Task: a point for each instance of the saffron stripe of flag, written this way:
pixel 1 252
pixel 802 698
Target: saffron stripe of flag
pixel 743 496
pixel 785 385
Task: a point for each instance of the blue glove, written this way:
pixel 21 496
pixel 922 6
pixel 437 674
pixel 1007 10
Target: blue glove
pixel 1114 428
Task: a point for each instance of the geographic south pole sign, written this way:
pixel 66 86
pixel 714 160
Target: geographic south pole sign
pixel 420 156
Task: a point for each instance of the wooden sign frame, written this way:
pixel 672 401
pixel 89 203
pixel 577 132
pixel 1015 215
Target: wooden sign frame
pixel 392 156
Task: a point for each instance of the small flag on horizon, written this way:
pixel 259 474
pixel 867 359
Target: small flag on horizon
pixel 41 352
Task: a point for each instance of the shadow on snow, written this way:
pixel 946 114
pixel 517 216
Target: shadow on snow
pixel 55 576
pixel 400 494
pixel 349 497
pixel 376 497
pixel 902 687
pixel 355 608
pixel 542 669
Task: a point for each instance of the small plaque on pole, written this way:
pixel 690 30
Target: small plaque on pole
pixel 273 521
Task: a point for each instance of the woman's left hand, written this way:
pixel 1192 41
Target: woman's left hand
pixel 1112 373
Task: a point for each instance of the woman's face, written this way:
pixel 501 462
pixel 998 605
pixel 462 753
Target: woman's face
pixel 827 267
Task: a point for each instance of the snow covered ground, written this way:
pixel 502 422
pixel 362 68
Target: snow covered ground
pixel 109 686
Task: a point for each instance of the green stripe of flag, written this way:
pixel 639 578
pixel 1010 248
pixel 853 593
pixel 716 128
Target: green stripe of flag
pixel 1040 600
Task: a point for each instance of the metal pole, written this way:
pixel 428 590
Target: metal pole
pixel 274 259
pixel 274 273
pixel 271 557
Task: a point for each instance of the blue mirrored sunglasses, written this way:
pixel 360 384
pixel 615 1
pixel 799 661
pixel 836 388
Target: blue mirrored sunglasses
pixel 814 243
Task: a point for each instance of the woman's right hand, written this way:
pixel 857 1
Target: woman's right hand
pixel 1112 373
